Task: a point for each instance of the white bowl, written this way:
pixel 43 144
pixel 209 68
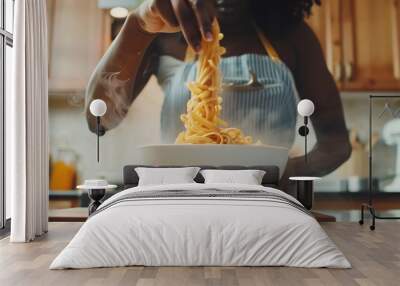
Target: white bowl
pixel 214 155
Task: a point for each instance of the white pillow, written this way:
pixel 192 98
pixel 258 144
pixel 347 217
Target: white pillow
pixel 248 177
pixel 165 176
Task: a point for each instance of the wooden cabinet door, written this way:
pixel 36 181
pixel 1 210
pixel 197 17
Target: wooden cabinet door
pixel 325 21
pixel 76 42
pixel 371 44
pixel 361 42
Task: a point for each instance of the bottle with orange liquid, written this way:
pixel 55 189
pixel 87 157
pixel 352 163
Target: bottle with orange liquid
pixel 63 170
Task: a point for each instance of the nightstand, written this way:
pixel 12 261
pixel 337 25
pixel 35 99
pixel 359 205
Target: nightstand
pixel 305 190
pixel 96 191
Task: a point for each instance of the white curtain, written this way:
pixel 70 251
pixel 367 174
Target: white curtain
pixel 27 124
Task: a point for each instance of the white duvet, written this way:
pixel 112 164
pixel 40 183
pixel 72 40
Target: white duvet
pixel 203 232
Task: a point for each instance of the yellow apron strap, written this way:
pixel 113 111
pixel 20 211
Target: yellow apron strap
pixel 190 55
pixel 269 48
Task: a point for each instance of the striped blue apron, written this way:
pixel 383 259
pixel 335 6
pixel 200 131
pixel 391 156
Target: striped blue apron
pixel 267 114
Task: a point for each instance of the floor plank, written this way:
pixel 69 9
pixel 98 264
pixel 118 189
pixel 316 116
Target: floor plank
pixel 375 257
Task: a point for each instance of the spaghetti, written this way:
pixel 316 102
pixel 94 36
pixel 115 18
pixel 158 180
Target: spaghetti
pixel 202 121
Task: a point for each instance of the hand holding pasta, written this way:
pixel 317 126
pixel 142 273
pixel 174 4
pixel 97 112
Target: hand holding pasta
pixel 192 17
pixel 202 121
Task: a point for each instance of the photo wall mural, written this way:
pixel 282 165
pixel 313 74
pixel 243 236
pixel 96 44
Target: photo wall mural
pixel 226 82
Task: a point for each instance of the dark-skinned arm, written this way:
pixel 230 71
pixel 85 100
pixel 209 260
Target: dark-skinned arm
pixel 314 82
pixel 121 74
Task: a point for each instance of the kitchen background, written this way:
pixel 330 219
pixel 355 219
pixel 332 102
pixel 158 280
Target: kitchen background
pixel 361 41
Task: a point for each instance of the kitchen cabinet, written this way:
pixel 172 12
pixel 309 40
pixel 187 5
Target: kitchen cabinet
pixel 361 42
pixel 77 39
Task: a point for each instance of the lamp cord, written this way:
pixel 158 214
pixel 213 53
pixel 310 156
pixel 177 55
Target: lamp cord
pixel 305 138
pixel 98 137
pixel 305 149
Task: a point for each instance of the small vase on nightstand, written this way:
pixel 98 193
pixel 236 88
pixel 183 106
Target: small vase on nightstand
pixel 96 192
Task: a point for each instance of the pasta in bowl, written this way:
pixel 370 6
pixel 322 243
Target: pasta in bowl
pixel 206 138
pixel 202 121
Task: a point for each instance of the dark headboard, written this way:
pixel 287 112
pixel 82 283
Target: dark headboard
pixel 270 179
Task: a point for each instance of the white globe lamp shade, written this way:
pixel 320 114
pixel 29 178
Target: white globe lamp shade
pixel 305 108
pixel 119 12
pixel 98 107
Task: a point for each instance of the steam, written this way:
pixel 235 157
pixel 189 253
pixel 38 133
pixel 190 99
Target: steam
pixel 116 91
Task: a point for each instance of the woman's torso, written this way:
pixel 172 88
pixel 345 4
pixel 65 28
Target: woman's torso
pixel 267 114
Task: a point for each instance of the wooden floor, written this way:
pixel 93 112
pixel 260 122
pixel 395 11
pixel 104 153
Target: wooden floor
pixel 375 257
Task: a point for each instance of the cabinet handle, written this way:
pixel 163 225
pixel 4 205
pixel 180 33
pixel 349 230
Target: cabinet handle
pixel 337 72
pixel 348 71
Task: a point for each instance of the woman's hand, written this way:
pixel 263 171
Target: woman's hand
pixel 193 17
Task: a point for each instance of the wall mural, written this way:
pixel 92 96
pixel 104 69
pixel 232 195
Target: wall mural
pixel 228 82
pixel 239 87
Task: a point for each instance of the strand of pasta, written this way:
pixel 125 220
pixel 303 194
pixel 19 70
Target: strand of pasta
pixel 202 121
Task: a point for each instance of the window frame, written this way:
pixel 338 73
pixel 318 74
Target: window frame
pixel 6 39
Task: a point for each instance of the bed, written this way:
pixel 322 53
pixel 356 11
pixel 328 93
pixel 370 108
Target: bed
pixel 199 224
